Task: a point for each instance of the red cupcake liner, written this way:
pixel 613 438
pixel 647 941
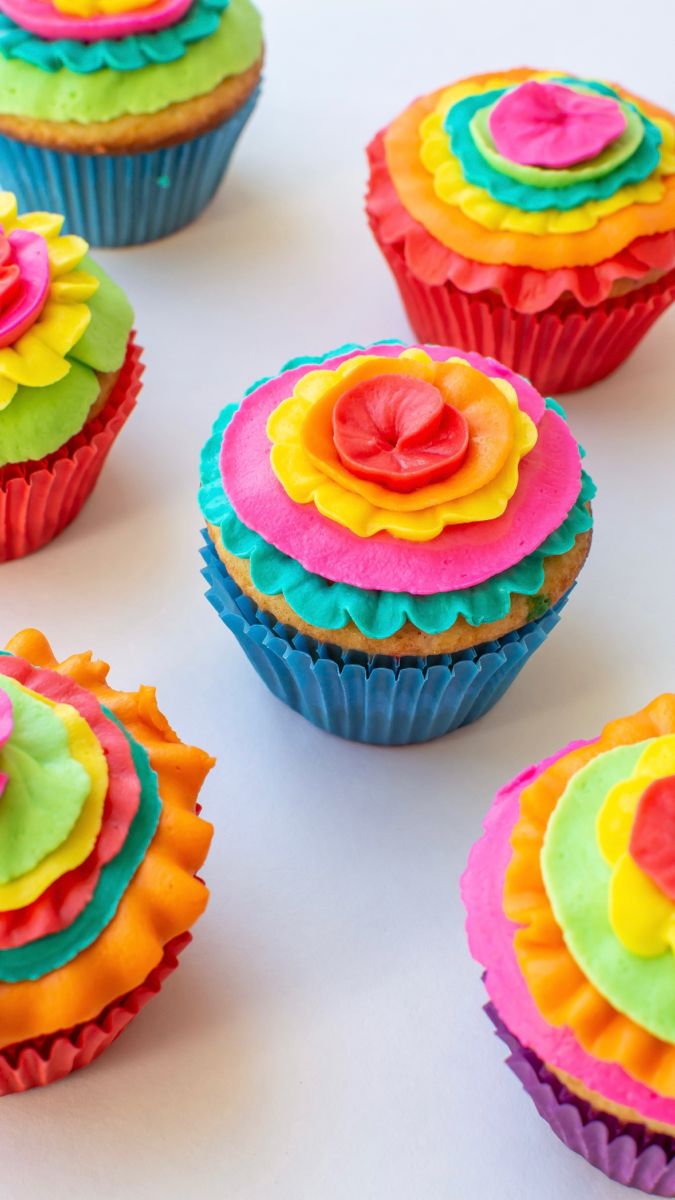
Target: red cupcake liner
pixel 39 499
pixel 565 347
pixel 47 1059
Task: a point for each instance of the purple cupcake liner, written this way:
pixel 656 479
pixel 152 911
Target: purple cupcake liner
pixel 372 698
pixel 628 1153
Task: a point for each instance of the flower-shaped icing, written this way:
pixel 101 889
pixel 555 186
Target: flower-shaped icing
pixel 467 429
pixel 550 125
pixel 100 840
pixel 450 178
pixel 43 299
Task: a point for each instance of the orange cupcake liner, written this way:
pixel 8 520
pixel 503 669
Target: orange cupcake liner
pixel 39 499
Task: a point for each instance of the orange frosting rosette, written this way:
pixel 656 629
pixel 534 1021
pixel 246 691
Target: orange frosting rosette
pixel 163 898
pixel 562 993
pixel 306 459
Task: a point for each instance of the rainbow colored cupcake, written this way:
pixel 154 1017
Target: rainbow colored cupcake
pixel 391 533
pixel 570 899
pixel 100 844
pixel 123 114
pixel 529 215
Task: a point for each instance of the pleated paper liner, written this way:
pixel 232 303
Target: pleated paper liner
pixel 124 199
pixel 377 699
pixel 561 349
pixel 48 1059
pixel 629 1154
pixel 39 499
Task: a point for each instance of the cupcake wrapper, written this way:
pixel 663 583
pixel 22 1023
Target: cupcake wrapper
pixel 124 199
pixel 559 350
pixel 48 1059
pixel 377 699
pixel 629 1154
pixel 38 499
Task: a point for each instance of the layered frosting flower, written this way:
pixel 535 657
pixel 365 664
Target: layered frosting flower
pixel 387 486
pixel 530 182
pixel 63 325
pixel 100 840
pixel 571 909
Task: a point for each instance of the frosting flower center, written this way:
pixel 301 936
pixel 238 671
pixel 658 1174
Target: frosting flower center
pixel 24 283
pixel 6 727
pixel 400 432
pixel 550 125
pixel 85 21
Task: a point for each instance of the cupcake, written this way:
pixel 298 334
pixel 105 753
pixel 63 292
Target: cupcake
pixel 123 114
pixel 99 846
pixel 391 533
pixel 70 373
pixel 570 897
pixel 529 215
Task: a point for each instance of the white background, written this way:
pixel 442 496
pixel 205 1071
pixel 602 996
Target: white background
pixel 323 1038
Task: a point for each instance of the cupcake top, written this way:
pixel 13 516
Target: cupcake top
pixel 533 183
pixel 64 328
pixel 571 909
pixel 93 61
pixel 100 839
pixel 387 485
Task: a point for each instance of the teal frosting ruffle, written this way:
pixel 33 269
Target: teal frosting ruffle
pixel 480 173
pixel 119 54
pixel 46 954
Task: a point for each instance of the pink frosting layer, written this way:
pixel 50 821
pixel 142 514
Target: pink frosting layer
pixel 491 943
pixel 462 556
pixel 47 22
pixel 30 255
pixel 549 125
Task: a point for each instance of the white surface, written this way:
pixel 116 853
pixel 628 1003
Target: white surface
pixel 323 1039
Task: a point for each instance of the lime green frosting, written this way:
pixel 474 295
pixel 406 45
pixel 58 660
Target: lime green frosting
pixel 577 882
pixel 28 91
pixel 40 420
pixel 46 789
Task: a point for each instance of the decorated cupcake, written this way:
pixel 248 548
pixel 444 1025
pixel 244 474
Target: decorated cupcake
pixel 570 897
pixel 530 215
pixel 123 114
pixel 100 842
pixel 391 533
pixel 70 373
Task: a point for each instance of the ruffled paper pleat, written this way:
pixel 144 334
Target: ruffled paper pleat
pixel 39 499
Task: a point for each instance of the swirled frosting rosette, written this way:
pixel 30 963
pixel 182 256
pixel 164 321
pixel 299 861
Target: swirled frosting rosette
pixel 418 507
pixel 124 113
pixel 570 897
pixel 69 375
pixel 100 843
pixel 530 215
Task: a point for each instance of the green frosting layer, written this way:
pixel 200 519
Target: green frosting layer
pixel 48 953
pixel 46 789
pixel 577 881
pixel 41 420
pixel 28 91
pixel 377 614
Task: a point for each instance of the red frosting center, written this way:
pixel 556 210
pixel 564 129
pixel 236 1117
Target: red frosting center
pixel 10 274
pixel 652 842
pixel 398 431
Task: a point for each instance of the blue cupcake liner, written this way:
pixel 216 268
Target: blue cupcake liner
pixel 123 199
pixel 372 698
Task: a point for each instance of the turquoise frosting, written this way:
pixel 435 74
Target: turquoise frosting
pixel 480 173
pixel 120 54
pixel 376 614
pixel 46 954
